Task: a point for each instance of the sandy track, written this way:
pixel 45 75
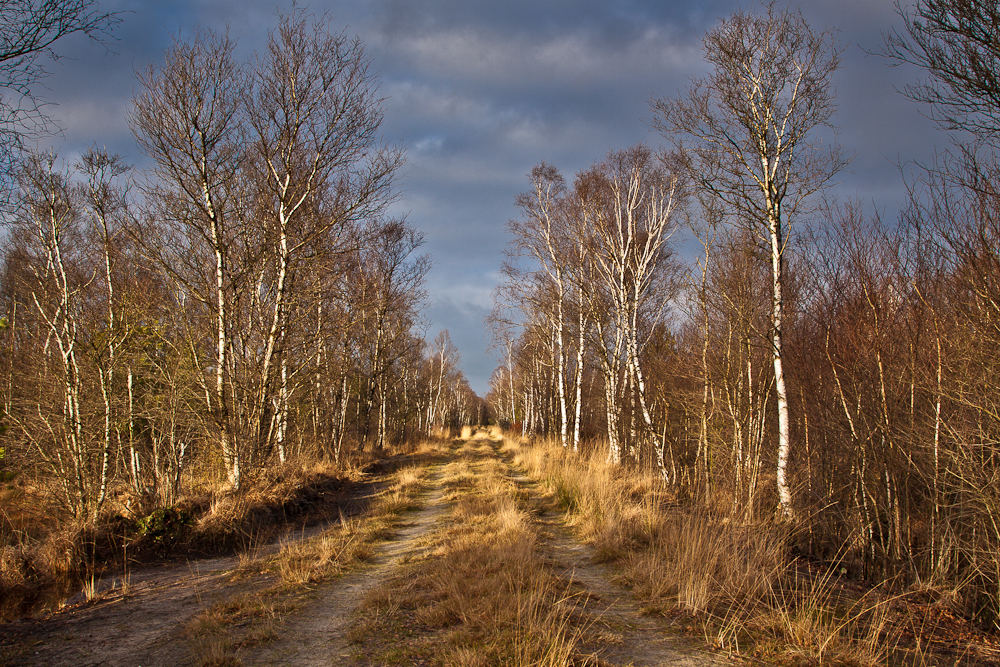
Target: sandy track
pixel 624 634
pixel 143 629
pixel 147 628
pixel 317 634
pixel 621 633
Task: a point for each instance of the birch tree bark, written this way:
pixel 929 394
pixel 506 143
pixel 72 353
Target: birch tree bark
pixel 749 132
pixel 186 118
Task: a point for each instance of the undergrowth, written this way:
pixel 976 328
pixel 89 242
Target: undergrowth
pixel 736 584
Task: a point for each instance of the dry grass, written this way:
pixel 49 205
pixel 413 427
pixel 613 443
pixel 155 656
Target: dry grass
pixel 46 556
pixel 483 595
pixel 275 495
pixel 257 613
pixel 736 582
pixel 40 573
pixel 41 550
pixel 352 541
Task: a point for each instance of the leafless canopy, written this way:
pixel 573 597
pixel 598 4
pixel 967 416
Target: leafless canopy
pixel 750 126
pixel 28 31
pixel 956 42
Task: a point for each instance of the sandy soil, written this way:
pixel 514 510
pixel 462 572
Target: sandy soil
pixel 317 636
pixel 143 628
pixel 144 624
pixel 622 634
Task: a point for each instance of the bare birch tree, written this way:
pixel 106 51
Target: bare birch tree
pixel 315 114
pixel 542 235
pixel 105 206
pixel 186 118
pixel 48 232
pixel 632 260
pixel 752 132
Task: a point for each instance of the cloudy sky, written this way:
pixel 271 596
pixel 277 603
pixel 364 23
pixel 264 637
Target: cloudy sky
pixel 482 90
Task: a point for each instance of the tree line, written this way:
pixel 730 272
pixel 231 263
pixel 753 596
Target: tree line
pixel 837 376
pixel 246 299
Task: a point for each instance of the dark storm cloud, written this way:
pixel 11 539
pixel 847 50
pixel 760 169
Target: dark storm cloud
pixel 481 91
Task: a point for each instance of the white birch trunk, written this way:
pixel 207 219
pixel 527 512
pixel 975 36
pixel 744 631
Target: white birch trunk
pixel 230 452
pixel 579 383
pixel 777 322
pixel 561 361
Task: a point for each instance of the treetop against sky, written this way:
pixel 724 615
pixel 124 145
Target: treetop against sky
pixel 481 92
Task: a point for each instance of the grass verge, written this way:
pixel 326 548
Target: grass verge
pixel 735 584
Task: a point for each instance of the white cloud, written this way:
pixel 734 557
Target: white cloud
pixel 567 60
pixel 476 293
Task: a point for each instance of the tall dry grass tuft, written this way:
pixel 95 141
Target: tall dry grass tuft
pixel 210 640
pixel 41 549
pixel 738 579
pixel 40 573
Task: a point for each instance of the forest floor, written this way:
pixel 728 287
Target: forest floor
pixel 467 563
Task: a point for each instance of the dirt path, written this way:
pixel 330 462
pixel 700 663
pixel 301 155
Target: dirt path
pixel 148 627
pixel 143 628
pixel 318 635
pixel 622 634
pixel 144 624
pixel 429 622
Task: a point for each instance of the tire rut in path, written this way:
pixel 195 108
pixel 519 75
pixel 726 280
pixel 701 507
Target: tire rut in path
pixel 626 636
pixel 163 597
pixel 317 635
pixel 639 639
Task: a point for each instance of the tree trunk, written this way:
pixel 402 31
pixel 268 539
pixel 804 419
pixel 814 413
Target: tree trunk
pixel 777 322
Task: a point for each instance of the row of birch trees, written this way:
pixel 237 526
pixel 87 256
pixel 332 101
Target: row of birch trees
pixel 838 375
pixel 245 300
pixel 590 269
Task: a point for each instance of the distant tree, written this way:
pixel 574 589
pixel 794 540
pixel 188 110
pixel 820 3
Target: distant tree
pixel 389 281
pixel 748 131
pixel 443 369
